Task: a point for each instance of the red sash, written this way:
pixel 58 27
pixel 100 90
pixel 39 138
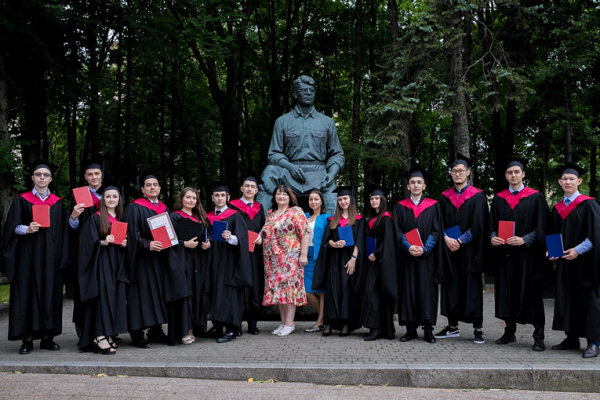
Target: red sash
pixel 513 200
pixel 111 219
pixel 214 217
pixel 95 200
pixel 144 202
pixel 33 199
pixel 344 221
pixel 184 215
pixel 385 214
pixel 243 207
pixel 460 200
pixel 565 210
pixel 417 210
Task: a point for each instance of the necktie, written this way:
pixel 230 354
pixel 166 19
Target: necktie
pixel 218 212
pixel 516 192
pixel 567 201
pixel 250 205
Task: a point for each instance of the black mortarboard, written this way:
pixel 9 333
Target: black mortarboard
pixel 39 163
pixel 512 161
pixel 570 168
pixel 219 186
pixel 377 190
pixel 108 186
pixel 416 171
pixel 251 176
pixel 93 163
pixel 460 159
pixel 149 175
pixel 343 191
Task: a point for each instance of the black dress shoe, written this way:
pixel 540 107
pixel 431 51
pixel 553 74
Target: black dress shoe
pixel 214 333
pixel 48 344
pixel 591 351
pixel 26 348
pixel 409 336
pixel 567 344
pixel 373 335
pixel 506 339
pixel 228 337
pixel 429 338
pixel 141 344
pixel 327 330
pixel 539 345
pixel 157 336
pixel 253 330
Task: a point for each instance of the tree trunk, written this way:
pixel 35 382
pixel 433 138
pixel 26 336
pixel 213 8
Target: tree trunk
pixel 356 106
pixel 6 174
pixel 594 151
pixel 568 127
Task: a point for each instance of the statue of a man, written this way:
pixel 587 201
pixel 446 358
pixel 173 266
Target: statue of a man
pixel 305 151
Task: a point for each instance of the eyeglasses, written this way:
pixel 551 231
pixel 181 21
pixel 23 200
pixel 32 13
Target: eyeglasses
pixel 458 171
pixel 41 175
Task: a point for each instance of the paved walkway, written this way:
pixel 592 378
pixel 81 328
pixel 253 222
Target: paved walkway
pixel 303 357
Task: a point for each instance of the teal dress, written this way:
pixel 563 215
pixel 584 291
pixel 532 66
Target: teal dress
pixel 313 251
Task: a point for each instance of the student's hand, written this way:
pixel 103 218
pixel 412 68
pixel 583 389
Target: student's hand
pixel 226 235
pixel 258 240
pixel 192 243
pixel 415 251
pixel 155 246
pixel 515 241
pixel 570 254
pixel 351 265
pixel 372 257
pixel 110 239
pixel 124 243
pixel 77 210
pixel 496 241
pixel 452 244
pixel 33 227
pixel 206 245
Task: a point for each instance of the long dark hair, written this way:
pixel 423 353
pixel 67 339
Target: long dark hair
pixel 323 208
pixel 197 211
pixel 104 222
pixel 382 208
pixel 285 189
pixel 337 216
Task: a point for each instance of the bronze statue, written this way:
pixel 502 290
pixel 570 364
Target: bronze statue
pixel 305 152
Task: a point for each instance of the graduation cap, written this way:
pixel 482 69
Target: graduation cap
pixel 460 159
pixel 39 163
pixel 512 161
pixel 343 191
pixel 149 175
pixel 219 186
pixel 416 171
pixel 570 168
pixel 93 163
pixel 108 186
pixel 377 190
pixel 251 176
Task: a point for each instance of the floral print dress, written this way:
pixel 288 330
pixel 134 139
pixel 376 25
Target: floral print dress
pixel 284 279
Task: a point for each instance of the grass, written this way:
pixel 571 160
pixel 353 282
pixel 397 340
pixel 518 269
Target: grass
pixel 4 291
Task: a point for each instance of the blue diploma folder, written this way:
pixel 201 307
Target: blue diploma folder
pixel 218 228
pixel 453 232
pixel 371 245
pixel 345 233
pixel 555 245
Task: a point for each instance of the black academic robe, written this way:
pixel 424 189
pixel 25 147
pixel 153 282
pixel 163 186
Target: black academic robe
pixel 33 264
pixel 379 279
pixel 103 275
pixel 71 274
pixel 519 270
pixel 462 297
pixel 419 276
pixel 578 281
pixel 342 291
pixel 255 220
pixel 229 271
pixel 146 292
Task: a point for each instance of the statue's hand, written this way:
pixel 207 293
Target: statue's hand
pixel 298 174
pixel 327 179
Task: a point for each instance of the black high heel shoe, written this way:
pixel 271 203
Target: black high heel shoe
pixel 327 330
pixel 107 351
pixel 344 331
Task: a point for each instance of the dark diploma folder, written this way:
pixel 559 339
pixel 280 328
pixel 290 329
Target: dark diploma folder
pixel 453 232
pixel 345 233
pixel 188 229
pixel 371 245
pixel 555 245
pixel 218 228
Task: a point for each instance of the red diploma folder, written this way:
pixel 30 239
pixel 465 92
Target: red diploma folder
pixel 41 215
pixel 506 229
pixel 83 196
pixel 119 231
pixel 414 238
pixel 160 235
pixel 251 238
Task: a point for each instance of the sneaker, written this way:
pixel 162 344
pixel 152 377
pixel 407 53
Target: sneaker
pixel 447 332
pixel 478 337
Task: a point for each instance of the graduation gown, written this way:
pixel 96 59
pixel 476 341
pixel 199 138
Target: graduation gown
pixel 146 292
pixel 229 270
pixel 419 276
pixel 255 219
pixel 342 291
pixel 462 297
pixel 519 270
pixel 379 278
pixel 103 276
pixel 71 275
pixel 578 281
pixel 33 264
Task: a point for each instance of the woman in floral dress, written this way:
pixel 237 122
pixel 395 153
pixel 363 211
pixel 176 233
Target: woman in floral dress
pixel 285 247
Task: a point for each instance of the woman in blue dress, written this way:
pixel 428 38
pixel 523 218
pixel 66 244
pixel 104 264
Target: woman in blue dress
pixel 317 220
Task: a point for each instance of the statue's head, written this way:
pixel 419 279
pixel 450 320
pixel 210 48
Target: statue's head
pixel 304 90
